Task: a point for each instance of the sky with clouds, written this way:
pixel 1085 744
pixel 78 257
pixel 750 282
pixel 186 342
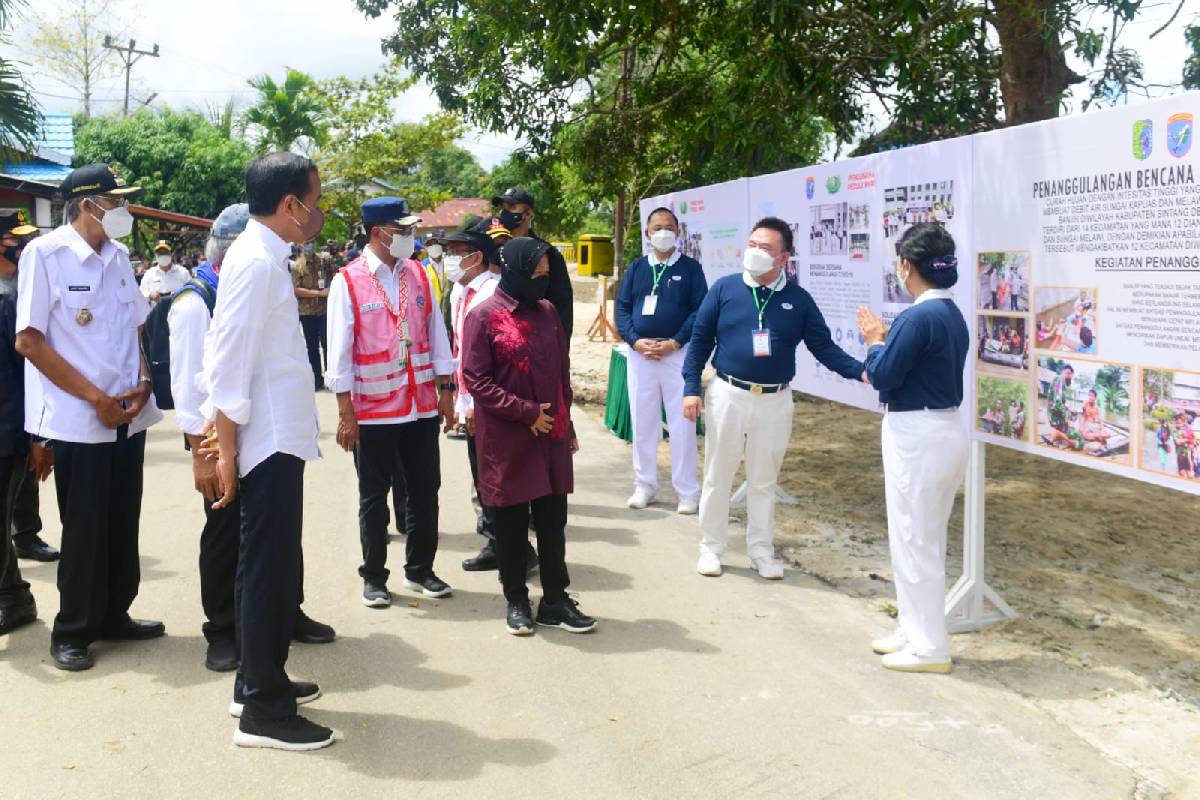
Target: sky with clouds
pixel 209 48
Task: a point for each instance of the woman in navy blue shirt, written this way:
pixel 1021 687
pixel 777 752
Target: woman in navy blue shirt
pixel 917 367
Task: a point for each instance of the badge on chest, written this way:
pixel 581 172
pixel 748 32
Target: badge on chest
pixel 649 305
pixel 762 342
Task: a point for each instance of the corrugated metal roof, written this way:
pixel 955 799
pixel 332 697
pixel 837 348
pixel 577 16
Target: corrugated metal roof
pixel 451 213
pixel 58 134
pixel 38 171
pixel 55 149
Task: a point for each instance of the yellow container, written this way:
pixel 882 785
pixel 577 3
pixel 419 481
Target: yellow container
pixel 596 256
pixel 567 249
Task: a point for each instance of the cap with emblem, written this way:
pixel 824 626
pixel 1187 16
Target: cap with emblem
pixel 514 194
pixel 379 210
pixel 162 247
pixel 498 231
pixel 230 223
pixel 96 179
pixel 16 225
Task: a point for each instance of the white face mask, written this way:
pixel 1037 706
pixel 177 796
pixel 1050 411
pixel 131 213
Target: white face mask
pixel 164 260
pixel 900 276
pixel 402 246
pixel 757 262
pixel 117 222
pixel 454 268
pixel 663 241
pixel 434 250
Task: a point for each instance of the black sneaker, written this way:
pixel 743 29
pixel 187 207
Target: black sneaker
pixel 32 548
pixel 432 586
pixel 376 595
pixel 291 733
pixel 221 656
pixel 564 614
pixel 485 561
pixel 306 692
pixel 15 616
pixel 308 631
pixel 520 619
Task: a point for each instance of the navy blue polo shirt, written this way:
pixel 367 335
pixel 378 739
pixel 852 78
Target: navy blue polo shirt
pixel 681 289
pixel 729 316
pixel 921 363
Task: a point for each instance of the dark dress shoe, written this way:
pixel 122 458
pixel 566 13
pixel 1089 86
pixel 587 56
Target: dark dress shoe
pixel 485 561
pixel 309 631
pixel 13 617
pixel 221 656
pixel 71 657
pixel 135 630
pixel 32 548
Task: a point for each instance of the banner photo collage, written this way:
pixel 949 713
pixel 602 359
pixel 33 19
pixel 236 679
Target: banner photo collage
pixel 1079 262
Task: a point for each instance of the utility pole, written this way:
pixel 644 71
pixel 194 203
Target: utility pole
pixel 130 55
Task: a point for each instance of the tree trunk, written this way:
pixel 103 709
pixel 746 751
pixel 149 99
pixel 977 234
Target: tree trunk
pixel 619 237
pixel 1033 67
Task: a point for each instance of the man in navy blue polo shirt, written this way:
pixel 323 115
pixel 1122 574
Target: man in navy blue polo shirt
pixel 755 321
pixel 656 306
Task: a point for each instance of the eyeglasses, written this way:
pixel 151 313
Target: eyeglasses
pixel 117 202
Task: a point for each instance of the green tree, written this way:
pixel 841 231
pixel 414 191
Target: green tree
pixel 1191 67
pixel 1112 388
pixel 67 44
pixel 564 204
pixel 19 115
pixel 285 116
pixel 453 170
pixel 185 163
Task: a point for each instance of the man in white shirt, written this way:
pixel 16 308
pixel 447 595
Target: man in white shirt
pixel 166 277
pixel 258 387
pixel 391 366
pixel 188 323
pixel 79 318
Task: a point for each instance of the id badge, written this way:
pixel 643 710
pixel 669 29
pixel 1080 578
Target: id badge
pixel 649 305
pixel 762 342
pixel 320 283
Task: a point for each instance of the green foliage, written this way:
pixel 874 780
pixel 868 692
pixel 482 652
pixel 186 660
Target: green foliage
pixel 565 205
pixel 453 170
pixel 1112 389
pixel 1191 67
pixel 185 163
pixel 285 116
pixel 19 115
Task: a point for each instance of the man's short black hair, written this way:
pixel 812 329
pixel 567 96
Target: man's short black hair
pixel 780 227
pixel 661 210
pixel 273 177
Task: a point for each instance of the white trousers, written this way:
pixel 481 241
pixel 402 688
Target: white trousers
pixel 653 387
pixel 924 461
pixel 758 426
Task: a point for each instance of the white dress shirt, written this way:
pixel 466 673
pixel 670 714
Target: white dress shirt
pixel 156 279
pixel 88 307
pixel 484 286
pixel 339 375
pixel 256 369
pixel 188 321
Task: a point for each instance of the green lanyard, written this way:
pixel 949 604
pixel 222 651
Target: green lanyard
pixel 763 305
pixel 658 275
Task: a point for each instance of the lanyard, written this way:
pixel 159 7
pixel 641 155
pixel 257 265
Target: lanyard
pixel 763 305
pixel 658 275
pixel 401 315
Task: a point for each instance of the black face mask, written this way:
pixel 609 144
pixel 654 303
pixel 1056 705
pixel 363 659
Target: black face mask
pixel 535 289
pixel 13 253
pixel 511 219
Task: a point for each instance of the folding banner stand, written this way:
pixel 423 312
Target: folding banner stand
pixel 966 608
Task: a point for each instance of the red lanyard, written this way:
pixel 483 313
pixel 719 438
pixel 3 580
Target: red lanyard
pixel 401 316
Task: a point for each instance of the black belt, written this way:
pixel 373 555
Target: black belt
pixel 753 388
pixel 894 408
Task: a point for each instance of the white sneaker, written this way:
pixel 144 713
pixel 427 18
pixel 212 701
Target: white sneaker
pixel 767 568
pixel 907 661
pixel 640 499
pixel 688 507
pixel 709 564
pixel 894 642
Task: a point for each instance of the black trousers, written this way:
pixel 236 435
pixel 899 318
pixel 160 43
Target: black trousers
pixel 313 326
pixel 26 513
pixel 512 543
pixel 14 591
pixel 485 521
pixel 100 504
pixel 267 590
pixel 413 449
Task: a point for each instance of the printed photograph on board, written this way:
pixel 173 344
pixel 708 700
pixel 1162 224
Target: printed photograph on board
pixel 1171 423
pixel 1083 407
pixel 903 207
pixel 828 233
pixel 1002 345
pixel 1000 407
pixel 1003 280
pixel 1066 319
pixel 689 243
pixel 792 270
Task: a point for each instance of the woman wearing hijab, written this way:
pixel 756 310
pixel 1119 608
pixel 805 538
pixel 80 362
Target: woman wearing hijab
pixel 919 374
pixel 517 370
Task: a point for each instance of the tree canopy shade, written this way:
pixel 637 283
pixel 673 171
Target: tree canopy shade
pixel 185 163
pixel 19 115
pixel 453 170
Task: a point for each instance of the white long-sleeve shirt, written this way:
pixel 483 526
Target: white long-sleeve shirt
pixel 480 289
pixel 256 368
pixel 339 375
pixel 164 282
pixel 188 321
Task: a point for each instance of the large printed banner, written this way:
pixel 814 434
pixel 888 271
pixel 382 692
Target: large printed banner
pixel 1087 290
pixel 1079 264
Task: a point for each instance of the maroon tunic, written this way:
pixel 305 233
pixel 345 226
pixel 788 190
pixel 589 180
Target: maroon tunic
pixel 516 359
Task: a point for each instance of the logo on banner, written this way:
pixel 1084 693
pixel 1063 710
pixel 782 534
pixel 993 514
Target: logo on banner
pixel 1179 135
pixel 1143 139
pixel 832 184
pixel 683 207
pixel 810 187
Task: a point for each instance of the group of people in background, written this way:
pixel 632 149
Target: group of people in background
pixel 1006 289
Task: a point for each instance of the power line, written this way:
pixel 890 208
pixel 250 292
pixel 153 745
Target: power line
pixel 129 55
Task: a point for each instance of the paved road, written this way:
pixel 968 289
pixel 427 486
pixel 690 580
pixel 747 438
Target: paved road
pixel 692 687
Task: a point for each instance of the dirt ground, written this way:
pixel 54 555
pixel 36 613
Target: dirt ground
pixel 1104 571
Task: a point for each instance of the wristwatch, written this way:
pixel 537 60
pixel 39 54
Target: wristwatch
pixel 447 387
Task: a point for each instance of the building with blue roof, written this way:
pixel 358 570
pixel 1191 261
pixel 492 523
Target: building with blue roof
pixel 29 184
